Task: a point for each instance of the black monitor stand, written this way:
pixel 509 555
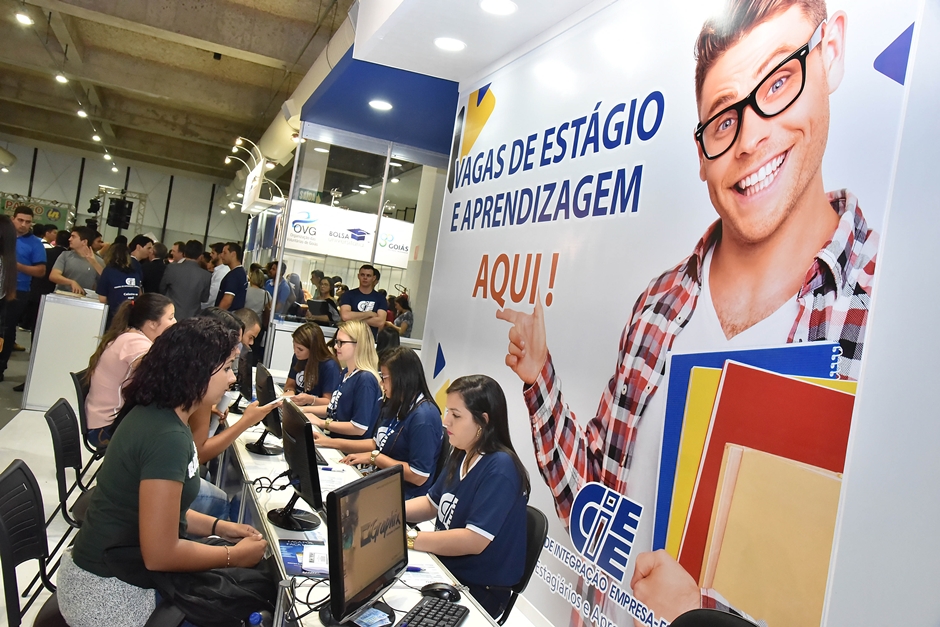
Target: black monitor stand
pixel 293 519
pixel 326 614
pixel 258 448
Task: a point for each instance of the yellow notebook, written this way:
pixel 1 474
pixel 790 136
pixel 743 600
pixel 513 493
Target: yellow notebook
pixel 700 400
pixel 770 536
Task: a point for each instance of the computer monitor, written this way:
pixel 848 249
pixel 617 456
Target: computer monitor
pixel 264 392
pixel 365 523
pixel 300 454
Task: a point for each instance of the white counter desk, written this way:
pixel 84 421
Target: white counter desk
pixel 400 597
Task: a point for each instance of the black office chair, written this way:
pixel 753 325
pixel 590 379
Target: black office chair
pixel 710 618
pixel 81 391
pixel 66 445
pixel 536 525
pixel 23 538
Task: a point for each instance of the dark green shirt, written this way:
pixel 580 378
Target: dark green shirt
pixel 150 443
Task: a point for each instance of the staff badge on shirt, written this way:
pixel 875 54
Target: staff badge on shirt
pixel 446 511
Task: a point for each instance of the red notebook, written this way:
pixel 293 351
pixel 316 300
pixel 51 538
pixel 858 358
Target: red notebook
pixel 772 413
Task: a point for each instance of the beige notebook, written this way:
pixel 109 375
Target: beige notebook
pixel 770 536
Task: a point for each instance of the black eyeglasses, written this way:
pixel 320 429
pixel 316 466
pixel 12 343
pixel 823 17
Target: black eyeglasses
pixel 774 94
pixel 340 343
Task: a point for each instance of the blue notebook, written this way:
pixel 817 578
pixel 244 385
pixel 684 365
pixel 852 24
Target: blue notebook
pixel 811 359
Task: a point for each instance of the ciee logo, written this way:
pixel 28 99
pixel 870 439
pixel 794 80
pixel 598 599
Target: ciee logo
pixel 603 527
pixel 388 241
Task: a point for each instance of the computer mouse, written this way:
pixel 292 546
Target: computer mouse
pixel 441 591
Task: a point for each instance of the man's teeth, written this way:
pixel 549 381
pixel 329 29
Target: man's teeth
pixel 762 178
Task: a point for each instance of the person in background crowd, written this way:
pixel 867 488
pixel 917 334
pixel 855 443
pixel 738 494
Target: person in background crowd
pixel 120 281
pixel 390 313
pixel 314 371
pixel 315 277
pixel 49 234
pixel 336 280
pixel 340 289
pixel 42 285
pixel 405 319
pixel 39 230
pixel 148 479
pixel 285 295
pixel 218 270
pixel 176 254
pixel 186 283
pixel 97 244
pixel 30 262
pixel 256 298
pixel 7 263
pixel 136 325
pixel 364 303
pixel 78 268
pixel 234 285
pixel 387 338
pixel 325 293
pixel 354 407
pixel 153 270
pixel 409 432
pixel 141 250
pixel 479 501
pixel 205 262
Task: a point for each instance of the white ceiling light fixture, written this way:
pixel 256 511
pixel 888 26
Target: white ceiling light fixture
pixel 319 149
pixel 228 160
pixel 234 149
pixel 498 7
pixel 81 113
pixel 240 195
pixel 238 142
pixel 96 138
pixel 269 165
pixel 107 157
pixel 380 105
pixel 395 180
pixel 394 164
pixel 231 205
pixel 4 169
pixel 362 191
pixel 449 44
pixel 24 19
pixel 61 78
pixel 364 186
pixel 222 212
pixel 114 168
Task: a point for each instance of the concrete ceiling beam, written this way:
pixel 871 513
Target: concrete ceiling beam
pixel 245 33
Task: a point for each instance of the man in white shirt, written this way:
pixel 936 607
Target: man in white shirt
pixel 215 252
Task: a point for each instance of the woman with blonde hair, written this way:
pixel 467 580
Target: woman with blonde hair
pixel 314 372
pixel 355 404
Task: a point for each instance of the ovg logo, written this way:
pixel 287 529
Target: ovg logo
pixel 603 527
pixel 304 224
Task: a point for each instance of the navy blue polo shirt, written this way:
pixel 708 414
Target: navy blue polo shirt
pixel 328 377
pixel 236 284
pixel 416 440
pixel 356 400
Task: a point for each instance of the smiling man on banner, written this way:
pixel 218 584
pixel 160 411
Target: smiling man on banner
pixel 785 262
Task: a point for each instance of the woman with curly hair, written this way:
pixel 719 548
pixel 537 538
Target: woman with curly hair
pixel 148 479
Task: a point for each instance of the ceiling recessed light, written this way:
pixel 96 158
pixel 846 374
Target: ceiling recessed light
pixel 498 7
pixel 394 180
pixel 24 19
pixel 61 78
pixel 318 149
pixel 81 113
pixel 362 191
pixel 4 169
pixel 96 138
pixel 107 157
pixel 364 186
pixel 449 44
pixel 114 168
pixel 240 195
pixel 231 205
pixel 394 164
pixel 222 212
pixel 269 165
pixel 381 105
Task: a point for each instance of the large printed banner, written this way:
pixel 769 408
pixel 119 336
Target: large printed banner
pixel 660 235
pixel 44 211
pixel 327 230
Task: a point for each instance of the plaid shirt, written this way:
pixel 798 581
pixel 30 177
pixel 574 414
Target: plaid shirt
pixel 833 305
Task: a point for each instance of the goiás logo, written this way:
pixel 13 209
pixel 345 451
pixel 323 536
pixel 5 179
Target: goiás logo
pixel 603 527
pixel 471 119
pixel 388 241
pixel 304 224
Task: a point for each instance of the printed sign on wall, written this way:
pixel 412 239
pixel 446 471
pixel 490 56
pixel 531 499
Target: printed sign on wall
pixel 336 232
pixel 660 236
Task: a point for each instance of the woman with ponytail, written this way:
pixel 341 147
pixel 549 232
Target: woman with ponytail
pixel 133 330
pixel 120 281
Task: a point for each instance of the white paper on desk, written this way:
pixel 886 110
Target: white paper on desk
pixel 430 572
pixel 316 558
pixel 332 479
